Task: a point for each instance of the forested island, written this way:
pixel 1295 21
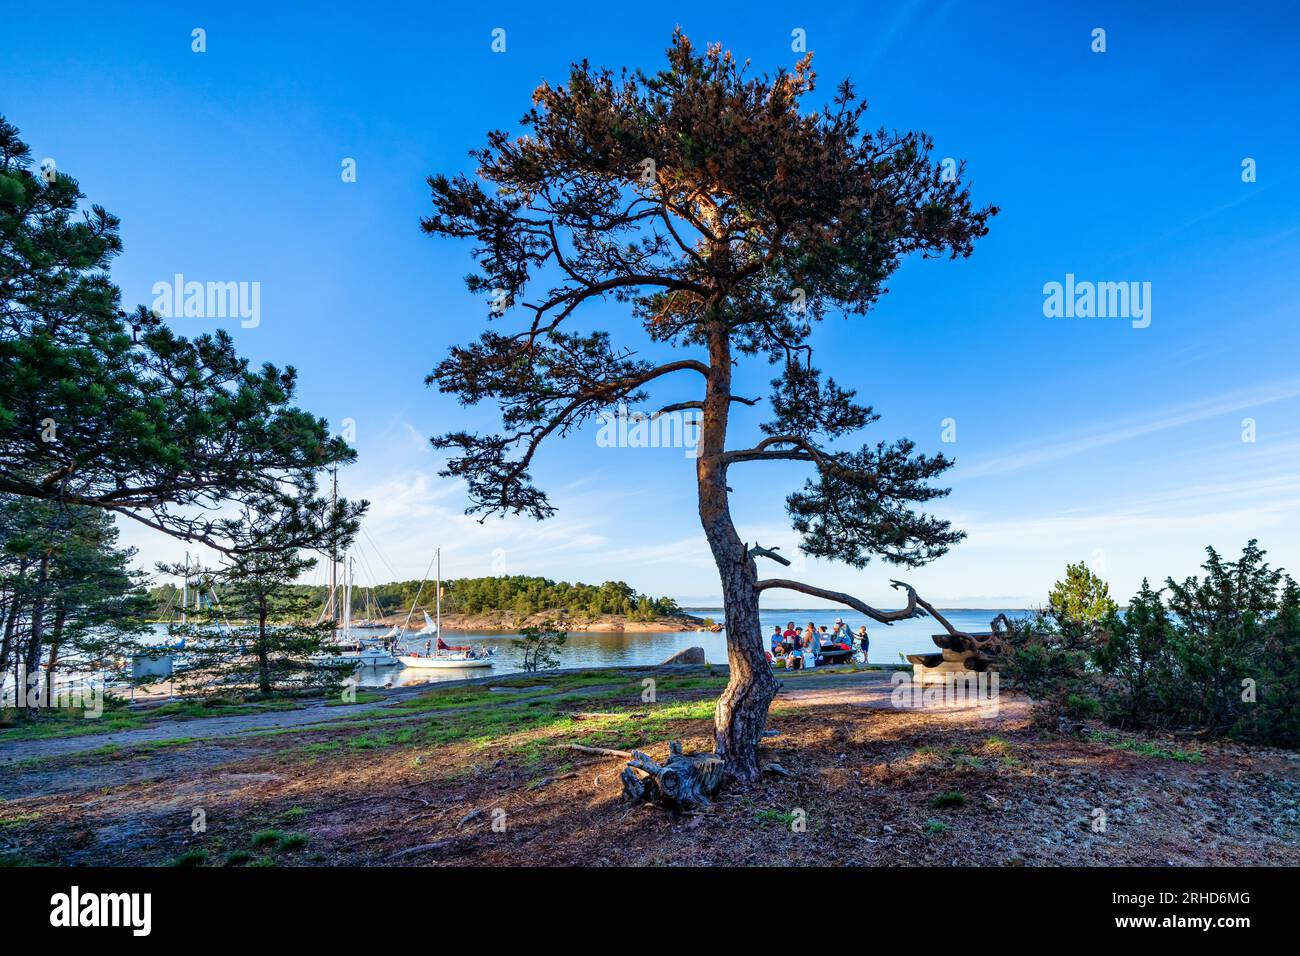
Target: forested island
pixel 505 602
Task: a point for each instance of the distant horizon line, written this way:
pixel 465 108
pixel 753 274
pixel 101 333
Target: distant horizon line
pixel 835 607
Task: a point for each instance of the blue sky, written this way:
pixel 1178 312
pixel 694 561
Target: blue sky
pixel 1077 438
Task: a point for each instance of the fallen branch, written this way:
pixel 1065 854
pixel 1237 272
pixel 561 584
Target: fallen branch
pixel 468 817
pixel 601 751
pixel 547 781
pixel 436 847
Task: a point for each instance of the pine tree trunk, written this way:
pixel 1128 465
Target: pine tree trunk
pixel 263 655
pixel 32 659
pixel 8 645
pixel 741 714
pixel 56 641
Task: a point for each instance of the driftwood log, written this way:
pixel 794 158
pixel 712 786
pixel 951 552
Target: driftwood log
pixel 684 782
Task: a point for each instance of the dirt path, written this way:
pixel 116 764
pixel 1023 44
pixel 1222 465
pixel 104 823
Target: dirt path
pixel 867 689
pixel 198 728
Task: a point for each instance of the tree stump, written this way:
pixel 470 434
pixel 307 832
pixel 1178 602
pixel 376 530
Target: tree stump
pixel 684 782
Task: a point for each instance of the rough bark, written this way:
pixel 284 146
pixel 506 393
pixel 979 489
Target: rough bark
pixel 741 713
pixel 8 645
pixel 33 655
pixel 263 656
pixel 56 641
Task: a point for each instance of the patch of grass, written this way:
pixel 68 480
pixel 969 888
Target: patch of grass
pixel 21 819
pixel 14 859
pixel 160 744
pixel 996 745
pixel 238 858
pixel 294 813
pixel 782 817
pixel 321 747
pixel 108 750
pixel 478 694
pixel 279 840
pixel 392 738
pixel 947 799
pixel 202 707
pixel 190 858
pixel 265 837
pixel 936 827
pixel 1147 749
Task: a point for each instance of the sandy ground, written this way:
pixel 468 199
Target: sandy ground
pixel 863 783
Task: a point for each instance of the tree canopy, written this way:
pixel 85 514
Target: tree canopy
pixel 713 204
pixel 103 408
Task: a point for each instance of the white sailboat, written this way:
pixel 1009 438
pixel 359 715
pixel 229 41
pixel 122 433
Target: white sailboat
pixel 443 655
pixel 365 652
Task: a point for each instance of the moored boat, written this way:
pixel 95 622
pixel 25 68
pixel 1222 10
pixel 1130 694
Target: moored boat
pixel 443 655
pixel 415 660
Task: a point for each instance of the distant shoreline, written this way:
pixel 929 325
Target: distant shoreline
pixel 507 623
pixel 695 609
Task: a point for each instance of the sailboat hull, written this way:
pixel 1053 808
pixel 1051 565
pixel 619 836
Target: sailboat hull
pixel 445 662
pixel 367 658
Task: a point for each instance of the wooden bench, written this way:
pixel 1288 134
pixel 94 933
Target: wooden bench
pixel 949 661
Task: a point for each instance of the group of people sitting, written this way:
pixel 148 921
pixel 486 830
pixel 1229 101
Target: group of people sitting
pixel 799 648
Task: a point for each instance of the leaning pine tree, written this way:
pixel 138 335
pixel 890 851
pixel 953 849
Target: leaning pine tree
pixel 729 220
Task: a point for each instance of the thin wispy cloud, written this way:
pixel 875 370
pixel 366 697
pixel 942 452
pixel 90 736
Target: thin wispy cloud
pixel 1165 420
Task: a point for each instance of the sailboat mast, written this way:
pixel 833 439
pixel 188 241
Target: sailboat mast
pixel 347 600
pixel 437 625
pixel 185 588
pixel 334 552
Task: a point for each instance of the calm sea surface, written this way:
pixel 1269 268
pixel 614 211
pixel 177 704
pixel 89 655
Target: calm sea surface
pixel 609 649
pixel 617 648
